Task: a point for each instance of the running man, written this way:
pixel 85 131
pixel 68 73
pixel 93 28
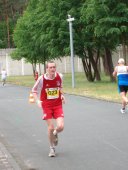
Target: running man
pixel 3 76
pixel 36 75
pixel 121 71
pixel 49 88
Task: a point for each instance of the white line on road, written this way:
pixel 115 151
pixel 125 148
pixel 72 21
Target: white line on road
pixel 114 147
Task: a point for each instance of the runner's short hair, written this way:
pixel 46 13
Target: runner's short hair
pixel 121 61
pixel 51 61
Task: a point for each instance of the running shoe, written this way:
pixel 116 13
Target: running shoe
pixel 52 152
pixel 122 111
pixel 55 139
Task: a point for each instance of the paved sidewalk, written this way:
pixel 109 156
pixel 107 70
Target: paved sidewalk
pixel 6 160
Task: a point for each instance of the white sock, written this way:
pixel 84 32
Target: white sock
pixel 52 147
pixel 55 132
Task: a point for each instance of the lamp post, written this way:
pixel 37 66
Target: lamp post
pixel 71 49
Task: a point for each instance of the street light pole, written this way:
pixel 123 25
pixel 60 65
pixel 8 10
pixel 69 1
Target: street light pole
pixel 71 48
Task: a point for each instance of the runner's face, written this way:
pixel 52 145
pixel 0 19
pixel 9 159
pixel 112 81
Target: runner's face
pixel 51 68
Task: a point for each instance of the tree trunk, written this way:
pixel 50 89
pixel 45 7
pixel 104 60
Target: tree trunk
pixel 44 64
pixel 33 68
pixel 105 65
pixel 108 58
pixel 39 69
pixel 94 65
pixel 7 22
pixel 87 70
pixel 124 50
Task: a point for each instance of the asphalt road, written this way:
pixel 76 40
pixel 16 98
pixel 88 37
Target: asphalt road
pixel 95 135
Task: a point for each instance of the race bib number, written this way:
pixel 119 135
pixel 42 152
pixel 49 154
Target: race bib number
pixel 52 93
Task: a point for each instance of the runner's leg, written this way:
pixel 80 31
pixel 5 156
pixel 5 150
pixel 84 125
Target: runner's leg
pixel 60 124
pixel 59 128
pixel 50 131
pixel 124 99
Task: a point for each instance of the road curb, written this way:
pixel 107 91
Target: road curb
pixel 7 162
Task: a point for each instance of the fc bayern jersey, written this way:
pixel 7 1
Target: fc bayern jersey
pixel 50 93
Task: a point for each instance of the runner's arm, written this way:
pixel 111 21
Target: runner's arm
pixel 115 72
pixel 61 89
pixel 36 88
pixel 127 68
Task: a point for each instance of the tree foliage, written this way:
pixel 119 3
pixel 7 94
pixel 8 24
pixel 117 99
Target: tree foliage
pixel 42 33
pixel 10 11
pixel 105 20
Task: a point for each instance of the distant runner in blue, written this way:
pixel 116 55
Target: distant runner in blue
pixel 121 71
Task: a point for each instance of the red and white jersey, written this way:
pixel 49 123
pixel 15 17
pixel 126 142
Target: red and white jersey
pixel 49 89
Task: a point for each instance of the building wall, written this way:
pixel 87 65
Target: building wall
pixel 15 67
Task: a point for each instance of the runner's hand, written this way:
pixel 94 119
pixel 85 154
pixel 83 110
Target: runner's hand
pixel 39 103
pixel 63 99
